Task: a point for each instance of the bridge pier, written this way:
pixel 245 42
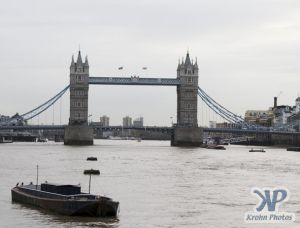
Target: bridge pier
pixel 78 135
pixel 187 136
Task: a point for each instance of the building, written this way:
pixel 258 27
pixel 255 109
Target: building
pixel 284 114
pixel 260 117
pixel 138 122
pixel 212 124
pixel 276 116
pixel 4 118
pixel 104 121
pixel 127 121
pixel 226 125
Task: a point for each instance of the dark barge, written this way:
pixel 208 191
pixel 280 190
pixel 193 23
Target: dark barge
pixel 65 200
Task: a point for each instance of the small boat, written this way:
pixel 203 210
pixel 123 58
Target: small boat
pixel 64 199
pixel 297 149
pixel 42 139
pixel 216 147
pixel 6 140
pixel 92 159
pixel 203 145
pixel 257 150
pixel 91 171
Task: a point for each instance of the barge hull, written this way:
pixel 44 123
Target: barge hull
pixel 68 207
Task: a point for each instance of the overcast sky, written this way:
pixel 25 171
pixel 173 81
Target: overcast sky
pixel 248 51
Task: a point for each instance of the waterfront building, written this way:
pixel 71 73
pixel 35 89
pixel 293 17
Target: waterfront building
pixel 284 114
pixel 4 118
pixel 104 121
pixel 127 121
pixel 275 116
pixel 138 122
pixel 260 117
pixel 212 124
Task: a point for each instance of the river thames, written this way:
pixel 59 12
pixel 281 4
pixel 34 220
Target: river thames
pixel 156 185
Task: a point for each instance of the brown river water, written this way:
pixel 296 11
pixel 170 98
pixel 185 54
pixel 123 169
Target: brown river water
pixel 156 185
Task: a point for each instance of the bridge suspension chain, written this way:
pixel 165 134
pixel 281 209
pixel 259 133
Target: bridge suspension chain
pixel 36 111
pixel 43 107
pixel 223 112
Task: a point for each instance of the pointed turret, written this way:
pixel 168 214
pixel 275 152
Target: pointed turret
pixel 79 59
pixel 73 65
pixel 196 64
pixel 72 62
pixel 179 65
pixel 187 59
pixel 86 63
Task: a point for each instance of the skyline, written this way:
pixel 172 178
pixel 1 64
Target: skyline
pixel 243 63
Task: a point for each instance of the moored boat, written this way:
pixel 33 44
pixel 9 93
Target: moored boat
pixel 91 159
pixel 257 150
pixel 65 200
pixel 91 171
pixel 216 147
pixel 6 139
pixel 297 149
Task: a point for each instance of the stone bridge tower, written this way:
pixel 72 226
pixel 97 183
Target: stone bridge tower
pixel 78 132
pixel 187 73
pixel 186 131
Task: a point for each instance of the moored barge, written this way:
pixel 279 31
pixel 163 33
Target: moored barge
pixel 65 200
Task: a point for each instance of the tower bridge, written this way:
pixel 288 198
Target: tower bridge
pixel 186 132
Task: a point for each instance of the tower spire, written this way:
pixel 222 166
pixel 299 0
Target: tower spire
pixel 72 62
pixel 187 59
pixel 79 59
pixel 86 62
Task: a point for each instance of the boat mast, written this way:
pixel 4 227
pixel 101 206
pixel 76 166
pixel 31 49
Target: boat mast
pixel 90 183
pixel 37 176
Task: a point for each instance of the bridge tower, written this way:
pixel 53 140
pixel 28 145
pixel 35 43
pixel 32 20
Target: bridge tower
pixel 186 131
pixel 78 132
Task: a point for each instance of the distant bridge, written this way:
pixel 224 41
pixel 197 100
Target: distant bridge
pixel 163 129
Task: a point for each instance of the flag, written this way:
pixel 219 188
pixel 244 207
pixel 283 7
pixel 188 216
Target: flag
pixel 120 68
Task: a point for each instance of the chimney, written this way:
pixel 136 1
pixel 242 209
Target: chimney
pixel 275 102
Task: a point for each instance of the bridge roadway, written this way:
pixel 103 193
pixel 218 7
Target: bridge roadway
pixel 151 128
pixel 134 80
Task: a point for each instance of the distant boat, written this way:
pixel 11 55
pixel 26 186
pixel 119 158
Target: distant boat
pixel 257 150
pixel 42 139
pixel 64 199
pixel 6 139
pixel 293 149
pixel 92 159
pixel 91 171
pixel 216 147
